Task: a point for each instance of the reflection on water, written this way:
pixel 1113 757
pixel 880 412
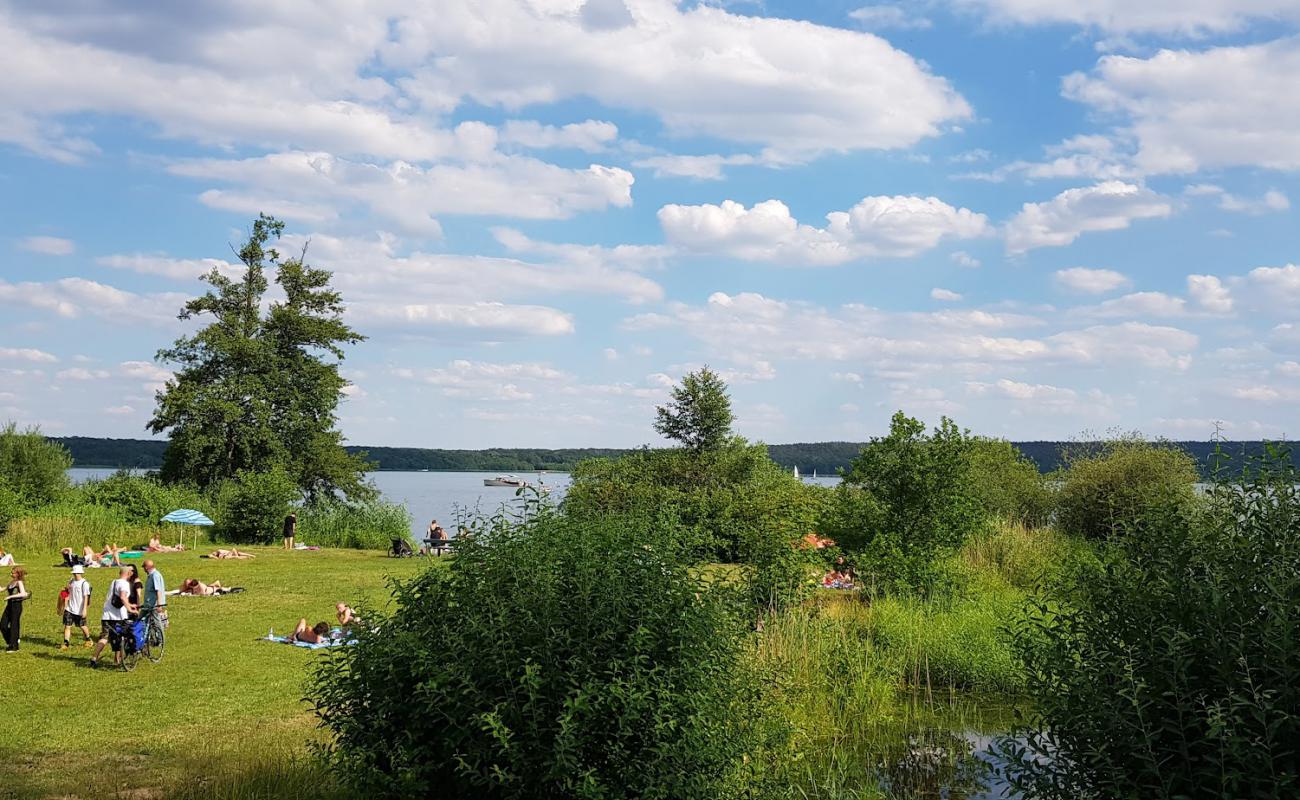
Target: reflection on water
pixel 937 764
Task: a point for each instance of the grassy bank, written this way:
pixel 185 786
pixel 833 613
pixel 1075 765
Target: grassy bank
pixel 221 710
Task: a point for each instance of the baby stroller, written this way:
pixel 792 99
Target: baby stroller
pixel 401 549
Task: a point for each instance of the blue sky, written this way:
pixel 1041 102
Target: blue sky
pixel 1039 217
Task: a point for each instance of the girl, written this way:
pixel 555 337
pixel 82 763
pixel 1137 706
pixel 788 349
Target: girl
pixel 137 589
pixel 11 620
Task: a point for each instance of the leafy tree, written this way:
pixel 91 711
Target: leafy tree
pixel 33 470
pixel 1007 484
pixel 254 389
pixel 1107 488
pixel 253 505
pixel 919 503
pixel 699 414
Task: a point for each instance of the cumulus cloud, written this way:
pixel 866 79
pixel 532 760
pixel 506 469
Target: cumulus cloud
pixel 704 168
pixel 591 136
pixel 1174 17
pixel 165 267
pixel 486 380
pixel 1194 110
pixel 1149 345
pixel 887 17
pixel 963 259
pixel 944 295
pixel 1280 284
pixel 1091 281
pixel 48 245
pixel 877 227
pixel 28 354
pixel 1209 294
pixel 483 321
pixel 1271 201
pixel 71 298
pixel 1108 206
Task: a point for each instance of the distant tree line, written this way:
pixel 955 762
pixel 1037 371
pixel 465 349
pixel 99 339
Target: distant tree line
pixel 824 458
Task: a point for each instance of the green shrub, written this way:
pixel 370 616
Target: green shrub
pixel 1007 484
pixel 1025 558
pixel 253 506
pixel 1170 670
pixel 907 502
pixel 33 470
pixel 551 658
pixel 142 499
pixel 368 525
pixel 1108 488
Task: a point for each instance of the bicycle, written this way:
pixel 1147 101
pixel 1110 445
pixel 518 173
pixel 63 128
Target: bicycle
pixel 150 645
pixel 154 637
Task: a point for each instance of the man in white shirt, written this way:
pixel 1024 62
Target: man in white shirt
pixel 115 617
pixel 77 607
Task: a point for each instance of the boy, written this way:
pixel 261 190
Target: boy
pixel 78 603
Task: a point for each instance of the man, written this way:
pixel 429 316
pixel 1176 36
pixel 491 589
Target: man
pixel 77 607
pixel 290 528
pixel 113 619
pixel 155 594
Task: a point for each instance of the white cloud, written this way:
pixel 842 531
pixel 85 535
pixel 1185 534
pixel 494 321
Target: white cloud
pixel 885 17
pixel 490 381
pixel 48 245
pixel 1150 345
pixel 944 295
pixel 1108 206
pixel 481 321
pixel 705 168
pixel 1092 157
pixel 82 374
pixel 27 354
pixel 877 227
pixel 591 136
pixel 120 411
pixel 1289 368
pixel 1091 281
pixel 162 266
pixel 1271 201
pixel 1279 284
pixel 71 298
pixel 1194 110
pixel 1174 17
pixel 963 259
pixel 1209 294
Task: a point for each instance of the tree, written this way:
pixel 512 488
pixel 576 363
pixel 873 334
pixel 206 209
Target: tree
pixel 258 390
pixel 33 470
pixel 1107 488
pixel 699 414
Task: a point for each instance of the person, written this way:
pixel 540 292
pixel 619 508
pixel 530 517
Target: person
pixel 197 588
pixel 155 593
pixel 156 546
pixel 113 619
pixel 313 635
pixel 137 590
pixel 231 553
pixel 346 614
pixel 11 620
pixel 107 558
pixel 6 558
pixel 290 529
pixel 76 607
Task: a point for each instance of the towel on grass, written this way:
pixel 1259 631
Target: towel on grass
pixel 308 645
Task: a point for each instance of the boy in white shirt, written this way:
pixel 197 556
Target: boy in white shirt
pixel 117 610
pixel 77 607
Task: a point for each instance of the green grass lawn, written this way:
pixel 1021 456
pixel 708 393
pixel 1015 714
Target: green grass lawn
pixel 220 700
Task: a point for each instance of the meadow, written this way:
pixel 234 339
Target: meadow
pixel 222 709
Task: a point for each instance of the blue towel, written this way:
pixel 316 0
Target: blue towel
pixel 308 645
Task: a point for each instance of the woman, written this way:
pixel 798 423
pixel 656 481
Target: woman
pixel 156 546
pixel 231 553
pixel 6 559
pixel 197 588
pixel 137 589
pixel 346 614
pixel 313 635
pixel 11 619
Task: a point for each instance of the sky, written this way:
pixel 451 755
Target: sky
pixel 1041 218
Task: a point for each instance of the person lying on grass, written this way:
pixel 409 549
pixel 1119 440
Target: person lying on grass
pixel 314 635
pixel 89 558
pixel 6 558
pixel 197 588
pixel 156 546
pixel 231 553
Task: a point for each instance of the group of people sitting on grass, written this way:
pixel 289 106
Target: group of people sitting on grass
pixel 323 632
pixel 840 576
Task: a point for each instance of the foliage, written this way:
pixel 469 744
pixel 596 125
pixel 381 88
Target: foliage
pixel 253 506
pixel 1109 487
pixel 919 505
pixel 699 413
pixel 370 525
pixel 1026 558
pixel 255 391
pixel 33 471
pixel 552 658
pixel 1171 670
pixel 1006 483
pixel 734 502
pixel 142 499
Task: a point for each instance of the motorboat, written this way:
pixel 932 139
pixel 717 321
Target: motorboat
pixel 510 481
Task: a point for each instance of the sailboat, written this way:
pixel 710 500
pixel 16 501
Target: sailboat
pixel 796 470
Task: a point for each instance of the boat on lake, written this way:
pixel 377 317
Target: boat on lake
pixel 511 481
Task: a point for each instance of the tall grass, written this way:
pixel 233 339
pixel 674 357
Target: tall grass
pixel 365 526
pixel 72 524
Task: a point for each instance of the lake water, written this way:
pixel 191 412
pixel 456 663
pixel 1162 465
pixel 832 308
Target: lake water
pixel 438 495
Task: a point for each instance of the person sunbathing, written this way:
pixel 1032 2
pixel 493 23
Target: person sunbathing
pixel 156 546
pixel 197 588
pixel 346 614
pixel 313 635
pixel 231 553
pixel 107 558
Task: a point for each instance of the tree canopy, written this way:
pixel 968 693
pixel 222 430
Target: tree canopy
pixel 699 413
pixel 257 387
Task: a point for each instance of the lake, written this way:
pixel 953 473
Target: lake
pixel 437 495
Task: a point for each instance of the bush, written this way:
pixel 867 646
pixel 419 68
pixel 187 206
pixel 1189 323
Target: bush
pixel 1171 672
pixel 253 506
pixel 907 502
pixel 33 470
pixel 1007 484
pixel 1107 489
pixel 142 499
pixel 550 658
pixel 730 500
pixel 368 525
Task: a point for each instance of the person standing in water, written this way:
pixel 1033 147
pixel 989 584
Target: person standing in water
pixel 290 530
pixel 11 619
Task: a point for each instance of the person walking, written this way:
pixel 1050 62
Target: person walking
pixel 77 607
pixel 290 530
pixel 117 609
pixel 11 619
pixel 155 594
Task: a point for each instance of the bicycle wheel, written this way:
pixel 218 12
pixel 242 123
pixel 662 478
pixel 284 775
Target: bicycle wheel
pixel 129 658
pixel 154 640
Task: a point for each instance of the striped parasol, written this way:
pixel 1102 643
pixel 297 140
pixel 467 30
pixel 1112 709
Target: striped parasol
pixel 187 516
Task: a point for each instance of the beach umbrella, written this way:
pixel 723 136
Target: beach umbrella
pixel 188 516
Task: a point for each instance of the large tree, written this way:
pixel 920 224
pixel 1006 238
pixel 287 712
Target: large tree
pixel 257 388
pixel 699 413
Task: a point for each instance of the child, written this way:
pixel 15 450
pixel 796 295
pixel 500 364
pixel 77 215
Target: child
pixel 74 610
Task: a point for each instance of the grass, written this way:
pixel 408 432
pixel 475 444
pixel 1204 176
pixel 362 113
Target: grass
pixel 221 715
